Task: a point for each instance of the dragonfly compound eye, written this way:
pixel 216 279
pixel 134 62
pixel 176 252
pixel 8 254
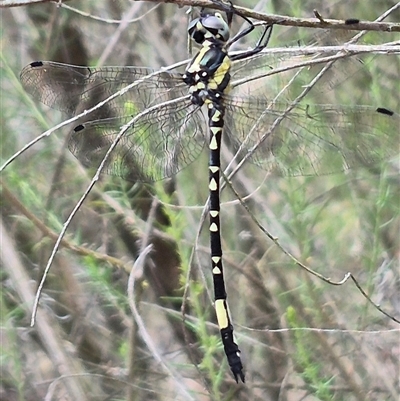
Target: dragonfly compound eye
pixel 209 27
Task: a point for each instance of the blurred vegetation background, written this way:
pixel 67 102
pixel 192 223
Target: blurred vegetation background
pixel 301 338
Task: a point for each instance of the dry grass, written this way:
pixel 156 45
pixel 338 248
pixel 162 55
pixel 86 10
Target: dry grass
pixel 300 337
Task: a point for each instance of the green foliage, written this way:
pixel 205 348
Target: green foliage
pixel 333 223
pixel 306 363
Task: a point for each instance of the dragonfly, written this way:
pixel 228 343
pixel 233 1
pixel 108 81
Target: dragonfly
pixel 168 117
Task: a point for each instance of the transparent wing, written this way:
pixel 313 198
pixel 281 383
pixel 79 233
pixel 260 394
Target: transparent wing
pixel 157 145
pixel 73 89
pixel 360 69
pixel 311 139
pixel 314 138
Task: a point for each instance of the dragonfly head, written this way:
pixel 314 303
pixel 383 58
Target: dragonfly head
pixel 209 26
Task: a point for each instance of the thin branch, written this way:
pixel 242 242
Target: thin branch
pixel 292 21
pixel 109 20
pixel 320 22
pixel 17 205
pixel 328 280
pixel 47 331
pixel 147 338
pixel 21 3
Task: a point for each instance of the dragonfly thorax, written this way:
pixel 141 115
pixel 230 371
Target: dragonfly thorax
pixel 208 74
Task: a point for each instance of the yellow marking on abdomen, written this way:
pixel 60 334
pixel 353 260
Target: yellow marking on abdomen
pixel 212 185
pixel 216 270
pixel 213 143
pixel 222 314
pixel 216 259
